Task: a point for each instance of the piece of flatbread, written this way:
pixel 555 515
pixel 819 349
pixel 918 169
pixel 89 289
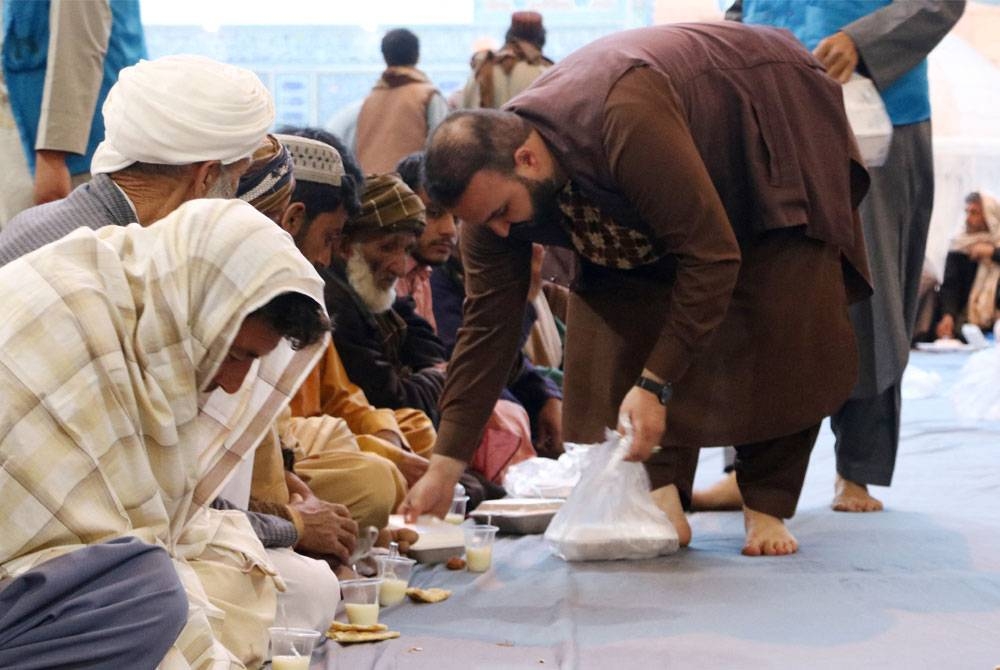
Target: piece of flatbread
pixel 351 636
pixel 337 626
pixel 434 595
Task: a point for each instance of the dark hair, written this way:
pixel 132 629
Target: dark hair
pixel 318 198
pixel 974 198
pixel 411 170
pixel 467 142
pixel 526 26
pixel 537 38
pixel 298 318
pixel 400 47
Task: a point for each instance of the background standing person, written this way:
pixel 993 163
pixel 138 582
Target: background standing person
pixel 402 108
pixel 60 59
pixel 497 76
pixel 888 42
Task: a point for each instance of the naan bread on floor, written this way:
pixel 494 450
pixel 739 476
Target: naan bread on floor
pixel 434 595
pixel 350 637
pixel 338 627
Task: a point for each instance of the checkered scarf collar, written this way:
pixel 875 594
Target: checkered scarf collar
pixel 599 239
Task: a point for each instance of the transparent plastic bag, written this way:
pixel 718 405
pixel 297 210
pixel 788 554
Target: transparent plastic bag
pixel 545 477
pixel 610 514
pixel 976 394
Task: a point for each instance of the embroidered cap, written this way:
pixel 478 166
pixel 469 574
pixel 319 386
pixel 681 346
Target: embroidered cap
pixel 268 180
pixel 313 160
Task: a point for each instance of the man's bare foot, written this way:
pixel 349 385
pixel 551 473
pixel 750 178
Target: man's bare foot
pixel 851 497
pixel 669 500
pixel 767 535
pixel 723 495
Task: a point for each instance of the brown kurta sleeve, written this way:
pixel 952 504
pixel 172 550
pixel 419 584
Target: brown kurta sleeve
pixel 497 273
pixel 657 167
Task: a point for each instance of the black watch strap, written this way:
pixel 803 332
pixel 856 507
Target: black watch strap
pixel 661 391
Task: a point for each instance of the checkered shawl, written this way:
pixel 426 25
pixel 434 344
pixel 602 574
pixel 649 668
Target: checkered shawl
pixel 107 343
pixel 597 238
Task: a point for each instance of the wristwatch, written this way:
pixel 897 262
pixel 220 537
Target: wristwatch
pixel 661 391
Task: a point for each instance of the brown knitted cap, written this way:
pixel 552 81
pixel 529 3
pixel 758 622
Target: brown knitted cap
pixel 387 206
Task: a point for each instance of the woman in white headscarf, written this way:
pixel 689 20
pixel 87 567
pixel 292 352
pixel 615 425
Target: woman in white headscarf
pixel 972 269
pixel 138 367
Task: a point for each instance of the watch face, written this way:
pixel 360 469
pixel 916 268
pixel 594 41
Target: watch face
pixel 661 391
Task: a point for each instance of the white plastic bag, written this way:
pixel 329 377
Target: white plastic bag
pixel 545 477
pixel 976 394
pixel 918 383
pixel 610 514
pixel 870 122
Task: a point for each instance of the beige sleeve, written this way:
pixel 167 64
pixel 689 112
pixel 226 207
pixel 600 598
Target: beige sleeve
pixel 79 31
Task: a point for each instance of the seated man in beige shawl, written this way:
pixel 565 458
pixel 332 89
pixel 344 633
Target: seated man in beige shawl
pixel 971 271
pixel 145 363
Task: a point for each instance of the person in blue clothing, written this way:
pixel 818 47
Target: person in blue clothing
pixel 60 59
pixel 888 42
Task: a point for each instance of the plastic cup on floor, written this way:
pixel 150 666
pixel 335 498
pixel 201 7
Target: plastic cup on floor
pixel 456 514
pixel 361 600
pixel 291 648
pixel 395 573
pixel 479 547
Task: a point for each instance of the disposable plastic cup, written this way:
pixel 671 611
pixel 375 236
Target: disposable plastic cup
pixel 456 514
pixel 395 573
pixel 479 547
pixel 361 600
pixel 291 648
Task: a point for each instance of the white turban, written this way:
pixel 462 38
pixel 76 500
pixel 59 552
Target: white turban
pixel 179 110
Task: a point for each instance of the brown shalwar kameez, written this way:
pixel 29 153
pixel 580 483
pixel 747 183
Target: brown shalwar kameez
pixel 729 152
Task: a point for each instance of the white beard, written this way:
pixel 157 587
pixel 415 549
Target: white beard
pixel 360 276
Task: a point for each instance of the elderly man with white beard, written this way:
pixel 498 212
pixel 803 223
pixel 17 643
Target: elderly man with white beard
pixel 394 356
pixel 387 348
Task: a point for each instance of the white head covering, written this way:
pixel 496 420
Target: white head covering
pixel 313 160
pixel 179 110
pixel 139 321
pixel 991 212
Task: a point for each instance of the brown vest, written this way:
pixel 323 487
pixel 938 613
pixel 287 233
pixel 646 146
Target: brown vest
pixel 393 119
pixel 763 115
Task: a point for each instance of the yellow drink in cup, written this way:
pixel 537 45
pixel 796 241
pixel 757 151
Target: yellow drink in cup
pixel 364 614
pixel 478 559
pixel 479 547
pixel 361 600
pixel 392 592
pixel 395 572
pixel 290 663
pixel 456 514
pixel 291 648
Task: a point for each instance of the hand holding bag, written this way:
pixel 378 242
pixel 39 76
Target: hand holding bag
pixel 610 514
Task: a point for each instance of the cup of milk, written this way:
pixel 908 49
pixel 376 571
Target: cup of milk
pixel 291 648
pixel 360 598
pixel 456 514
pixel 395 573
pixel 479 546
